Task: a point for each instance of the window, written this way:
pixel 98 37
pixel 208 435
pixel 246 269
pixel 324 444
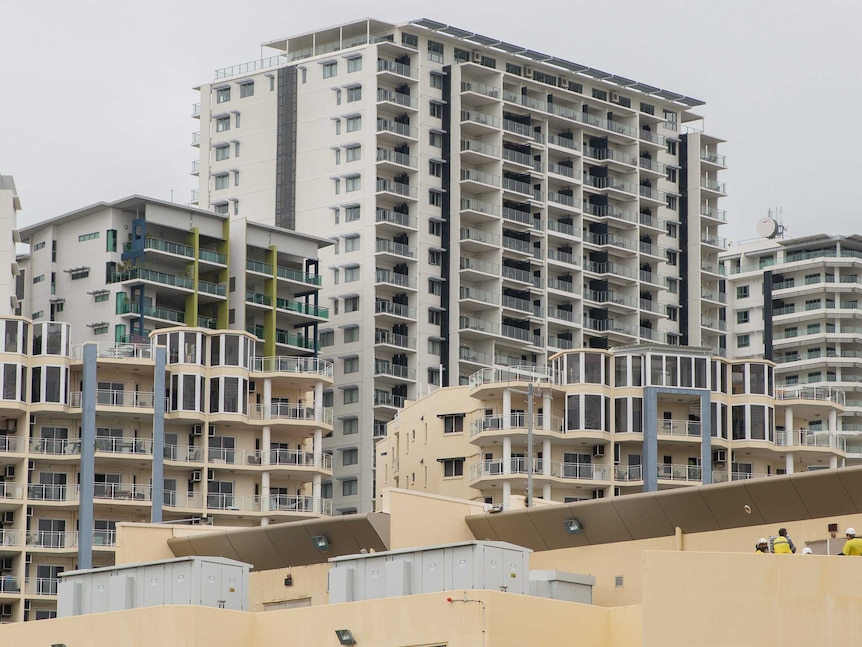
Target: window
pixel 336 212
pixel 350 274
pixel 327 338
pixel 672 285
pixel 336 185
pixel 453 424
pixel 235 207
pixel 435 347
pixel 435 227
pixel 91 236
pixel 353 153
pixel 222 95
pixel 671 174
pixel 349 487
pixel 743 341
pixel 39 279
pixel 100 330
pixel 350 457
pixel 335 274
pixel 742 317
pixel 671 202
pixel 435 198
pixel 354 123
pixel 435 257
pixel 435 287
pixel 436 110
pixel 351 365
pixel 354 94
pixel 351 213
pixel 246 90
pixel 236 149
pixel 222 182
pixel 236 178
pixel 222 152
pixel 330 69
pixel 350 426
pixel 328 398
pixel 102 296
pixel 671 257
pixel 435 168
pixel 672 313
pixel 351 243
pixel 221 207
pixel 352 183
pixel 435 51
pixel 671 147
pixel 271 82
pixel 81 273
pixel 337 152
pixel 236 120
pixel 742 292
pixel 436 139
pixel 351 334
pixel 222 124
pixel 411 40
pixel 437 80
pixel 453 467
pixel 111 242
pixel 38 246
pixel 351 395
pixel 337 126
pixel 435 317
pixel 672 229
pixel 354 64
pixel 351 304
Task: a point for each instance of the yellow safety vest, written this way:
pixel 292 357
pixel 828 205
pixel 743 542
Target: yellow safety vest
pixel 780 546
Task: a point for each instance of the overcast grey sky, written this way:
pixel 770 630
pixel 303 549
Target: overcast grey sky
pixel 96 94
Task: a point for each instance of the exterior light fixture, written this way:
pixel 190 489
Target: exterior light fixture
pixel 573 526
pixel 345 637
pixel 321 543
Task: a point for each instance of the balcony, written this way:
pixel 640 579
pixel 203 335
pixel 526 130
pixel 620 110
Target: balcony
pixel 296 275
pixel 143 274
pixel 814 439
pixel 397 69
pixel 687 473
pixel 196 110
pixel 386 338
pixel 397 128
pixel 713 158
pixel 125 446
pixel 483 121
pixel 11 444
pixel 480 177
pixel 196 138
pixel 309 365
pixel 385 368
pixel 713 185
pixel 52 539
pixel 394 309
pixel 299 307
pixel 398 98
pixel 122 492
pixel 679 428
pixel 394 278
pixel 395 218
pixel 383 246
pixel 518 467
pixel 715 214
pixel 819 393
pixel 518 421
pixel 384 399
pixel 398 188
pixel 482 148
pixel 11 491
pixel 293 412
pixel 152 312
pixel 480 88
pixel 563 142
pixel 116 398
pixel 398 159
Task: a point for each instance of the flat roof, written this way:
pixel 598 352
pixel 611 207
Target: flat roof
pixel 705 508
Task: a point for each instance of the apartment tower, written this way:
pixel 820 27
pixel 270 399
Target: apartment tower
pixel 489 205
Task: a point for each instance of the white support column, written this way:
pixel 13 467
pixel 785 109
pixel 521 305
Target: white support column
pixel 317 504
pixel 267 399
pixel 833 421
pixel 318 401
pixel 507 455
pixel 507 494
pixel 546 492
pixel 507 407
pixel 788 427
pixel 788 462
pixel 546 458
pixel 546 412
pixel 264 497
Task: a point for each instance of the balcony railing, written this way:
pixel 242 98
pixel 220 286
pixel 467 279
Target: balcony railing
pixel 310 365
pixel 52 539
pixel 680 472
pixel 822 393
pixel 679 427
pixel 382 367
pixel 398 249
pixel 10 444
pixel 541 374
pixel 397 97
pixel 384 65
pixel 396 218
pixel 296 275
pixel 111 398
pixel 393 339
pixel 815 438
pixel 516 421
pixel 301 307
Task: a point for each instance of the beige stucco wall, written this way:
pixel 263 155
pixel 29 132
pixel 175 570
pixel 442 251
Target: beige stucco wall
pixel 418 519
pixel 309 582
pixel 144 542
pixel 724 599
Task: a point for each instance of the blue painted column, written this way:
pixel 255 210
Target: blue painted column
pixel 649 455
pixel 158 489
pixel 705 439
pixel 88 459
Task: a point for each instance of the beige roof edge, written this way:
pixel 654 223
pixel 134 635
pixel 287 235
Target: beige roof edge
pixel 704 508
pixel 289 544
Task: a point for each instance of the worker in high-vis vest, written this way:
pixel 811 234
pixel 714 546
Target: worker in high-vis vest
pixel 783 545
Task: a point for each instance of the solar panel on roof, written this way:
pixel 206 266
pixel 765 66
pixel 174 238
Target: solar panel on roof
pixel 596 74
pixel 667 94
pixel 428 24
pixel 454 31
pixel 536 56
pixel 508 47
pixel 482 40
pixel 643 87
pixel 621 80
pixel 690 101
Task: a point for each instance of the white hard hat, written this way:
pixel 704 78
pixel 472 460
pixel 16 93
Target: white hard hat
pixel 807 551
pixel 762 540
pixel 850 531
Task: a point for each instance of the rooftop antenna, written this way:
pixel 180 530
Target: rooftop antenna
pixel 771 226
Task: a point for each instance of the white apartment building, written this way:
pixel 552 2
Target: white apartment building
pixel 10 205
pixel 796 301
pixel 488 205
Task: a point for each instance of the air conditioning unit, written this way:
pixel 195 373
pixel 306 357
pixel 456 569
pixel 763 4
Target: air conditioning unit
pixel 476 56
pixel 719 456
pixel 7 518
pixel 599 493
pixel 618 491
pixel 196 476
pixel 31 465
pixel 9 472
pixel 6 611
pixel 198 430
pixel 12 425
pixel 599 450
pixel 6 564
pixel 613 97
pixel 211 475
pixel 211 430
pixel 562 82
pixel 528 72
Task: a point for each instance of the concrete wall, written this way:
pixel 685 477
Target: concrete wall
pixel 427 519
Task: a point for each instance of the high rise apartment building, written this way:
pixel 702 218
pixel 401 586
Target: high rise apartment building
pixel 10 205
pixel 796 301
pixel 488 204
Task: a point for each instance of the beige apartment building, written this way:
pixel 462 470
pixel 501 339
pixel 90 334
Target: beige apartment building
pixel 649 556
pixel 488 205
pixel 611 423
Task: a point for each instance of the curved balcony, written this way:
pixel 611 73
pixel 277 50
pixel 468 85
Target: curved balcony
pixel 557 472
pixel 312 367
pixel 515 374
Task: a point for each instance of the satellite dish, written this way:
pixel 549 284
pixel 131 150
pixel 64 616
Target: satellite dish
pixel 767 227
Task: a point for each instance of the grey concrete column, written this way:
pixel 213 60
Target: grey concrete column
pixel 88 460
pixel 706 439
pixel 649 456
pixel 158 489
